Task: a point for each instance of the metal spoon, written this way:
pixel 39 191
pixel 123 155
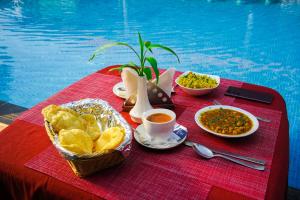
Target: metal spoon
pixel 207 153
pixel 240 157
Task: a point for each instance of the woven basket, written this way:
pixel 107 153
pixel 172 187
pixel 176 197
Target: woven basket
pixel 88 164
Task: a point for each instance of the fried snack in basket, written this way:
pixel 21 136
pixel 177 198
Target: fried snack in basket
pixel 64 118
pixel 68 121
pixel 110 139
pixel 77 132
pixel 92 127
pixel 51 110
pixel 76 140
pixel 75 128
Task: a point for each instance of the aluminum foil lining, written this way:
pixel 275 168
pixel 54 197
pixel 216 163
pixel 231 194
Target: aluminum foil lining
pixel 106 117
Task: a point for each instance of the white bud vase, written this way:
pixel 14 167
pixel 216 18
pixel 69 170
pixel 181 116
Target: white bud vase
pixel 142 103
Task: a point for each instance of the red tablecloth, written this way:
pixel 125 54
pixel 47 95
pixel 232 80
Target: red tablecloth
pixel 26 139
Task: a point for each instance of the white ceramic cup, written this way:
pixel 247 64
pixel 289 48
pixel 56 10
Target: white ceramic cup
pixel 159 130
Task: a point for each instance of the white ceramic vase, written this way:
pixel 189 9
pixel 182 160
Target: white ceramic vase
pixel 142 103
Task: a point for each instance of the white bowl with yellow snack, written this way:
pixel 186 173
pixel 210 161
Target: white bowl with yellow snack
pixel 89 134
pixel 197 84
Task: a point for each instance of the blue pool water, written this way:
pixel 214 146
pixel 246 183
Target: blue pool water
pixel 45 44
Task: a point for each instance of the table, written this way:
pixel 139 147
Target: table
pixel 26 138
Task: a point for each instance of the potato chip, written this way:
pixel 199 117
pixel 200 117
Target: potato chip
pixel 66 120
pixel 110 139
pixel 92 127
pixel 63 118
pixel 76 140
pixel 49 111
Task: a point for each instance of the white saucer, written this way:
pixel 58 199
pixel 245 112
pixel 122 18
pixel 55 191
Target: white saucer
pixel 176 138
pixel 119 90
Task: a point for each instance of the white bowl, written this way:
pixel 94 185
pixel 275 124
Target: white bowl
pixel 255 123
pixel 199 91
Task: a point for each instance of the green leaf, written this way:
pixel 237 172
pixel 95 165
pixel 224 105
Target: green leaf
pixel 141 42
pixel 165 48
pixel 106 46
pixel 147 45
pixel 153 64
pixel 114 69
pixel 132 64
pixel 120 68
pixel 126 66
pixel 92 57
pixel 148 73
pixel 136 69
pixel 142 50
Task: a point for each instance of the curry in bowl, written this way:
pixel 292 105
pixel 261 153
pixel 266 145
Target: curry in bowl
pixel 226 121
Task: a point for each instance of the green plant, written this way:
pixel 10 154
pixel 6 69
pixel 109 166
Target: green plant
pixel 145 48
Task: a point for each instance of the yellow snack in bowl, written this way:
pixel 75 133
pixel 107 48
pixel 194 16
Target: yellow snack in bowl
pixel 49 111
pixel 110 139
pixel 76 141
pixel 63 118
pixel 92 127
pixel 81 133
pixel 67 120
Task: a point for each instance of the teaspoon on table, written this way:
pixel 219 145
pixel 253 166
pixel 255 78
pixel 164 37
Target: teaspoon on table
pixel 208 154
pixel 240 157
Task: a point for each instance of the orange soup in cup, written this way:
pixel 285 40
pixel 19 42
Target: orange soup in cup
pixel 159 118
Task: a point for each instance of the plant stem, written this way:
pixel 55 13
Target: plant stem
pixel 144 57
pixel 142 62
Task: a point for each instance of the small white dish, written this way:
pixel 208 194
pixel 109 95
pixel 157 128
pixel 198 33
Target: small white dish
pixel 255 123
pixel 119 90
pixel 200 91
pixel 176 138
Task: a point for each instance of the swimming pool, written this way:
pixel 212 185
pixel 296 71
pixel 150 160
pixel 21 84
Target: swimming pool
pixel 45 44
